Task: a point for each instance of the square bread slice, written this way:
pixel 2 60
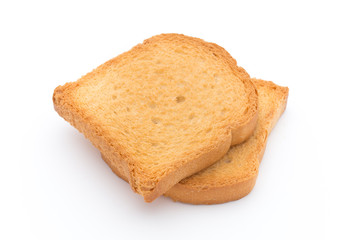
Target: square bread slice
pixel 162 111
pixel 234 176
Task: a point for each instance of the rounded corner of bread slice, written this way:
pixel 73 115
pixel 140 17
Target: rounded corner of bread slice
pixel 234 176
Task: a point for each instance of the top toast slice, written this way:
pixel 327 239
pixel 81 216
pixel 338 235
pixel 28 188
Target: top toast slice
pixel 162 111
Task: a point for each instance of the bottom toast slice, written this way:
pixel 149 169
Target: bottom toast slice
pixel 234 176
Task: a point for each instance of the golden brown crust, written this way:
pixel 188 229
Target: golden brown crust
pixel 118 157
pixel 213 195
pixel 243 132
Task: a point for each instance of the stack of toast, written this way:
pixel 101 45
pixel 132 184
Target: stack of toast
pixel 176 116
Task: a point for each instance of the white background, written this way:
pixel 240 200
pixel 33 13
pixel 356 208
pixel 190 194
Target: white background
pixel 54 184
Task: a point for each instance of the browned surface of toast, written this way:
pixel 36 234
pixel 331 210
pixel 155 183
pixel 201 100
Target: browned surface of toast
pixel 162 111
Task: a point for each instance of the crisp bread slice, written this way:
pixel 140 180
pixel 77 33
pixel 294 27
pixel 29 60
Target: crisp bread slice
pixel 162 111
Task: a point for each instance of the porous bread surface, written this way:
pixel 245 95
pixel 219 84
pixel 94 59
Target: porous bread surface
pixel 234 176
pixel 163 110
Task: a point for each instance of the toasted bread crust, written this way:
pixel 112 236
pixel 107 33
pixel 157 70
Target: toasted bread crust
pixel 118 157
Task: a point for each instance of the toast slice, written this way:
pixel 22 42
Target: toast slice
pixel 234 176
pixel 162 111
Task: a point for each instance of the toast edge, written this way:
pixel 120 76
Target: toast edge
pixel 241 132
